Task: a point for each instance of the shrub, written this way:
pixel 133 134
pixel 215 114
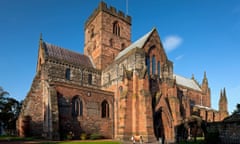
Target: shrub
pixel 83 136
pixel 95 136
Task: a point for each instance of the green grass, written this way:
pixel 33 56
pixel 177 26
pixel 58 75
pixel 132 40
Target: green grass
pixel 12 138
pixel 199 140
pixel 95 142
pixel 79 142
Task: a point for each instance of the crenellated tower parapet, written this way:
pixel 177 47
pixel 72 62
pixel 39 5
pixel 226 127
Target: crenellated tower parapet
pixel 110 10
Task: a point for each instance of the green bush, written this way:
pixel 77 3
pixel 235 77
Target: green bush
pixel 95 136
pixel 83 136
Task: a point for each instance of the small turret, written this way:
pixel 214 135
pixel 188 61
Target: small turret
pixel 205 83
pixel 193 77
pixel 223 110
pixel 223 101
pixel 40 53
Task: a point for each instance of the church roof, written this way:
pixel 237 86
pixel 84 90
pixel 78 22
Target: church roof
pixel 137 44
pixel 187 82
pixel 59 53
pixel 203 107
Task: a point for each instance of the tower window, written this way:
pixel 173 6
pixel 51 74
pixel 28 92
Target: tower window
pixel 90 79
pixel 77 107
pixel 68 74
pixel 116 29
pixel 153 65
pixel 105 109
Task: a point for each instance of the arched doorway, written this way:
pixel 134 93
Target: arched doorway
pixel 158 125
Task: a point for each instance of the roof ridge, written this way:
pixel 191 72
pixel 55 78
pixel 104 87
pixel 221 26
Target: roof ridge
pixel 67 55
pixel 69 50
pixel 138 43
pixel 187 82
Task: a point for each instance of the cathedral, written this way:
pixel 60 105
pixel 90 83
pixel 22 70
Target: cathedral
pixel 117 88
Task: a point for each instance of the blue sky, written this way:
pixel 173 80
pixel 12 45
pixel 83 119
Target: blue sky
pixel 198 36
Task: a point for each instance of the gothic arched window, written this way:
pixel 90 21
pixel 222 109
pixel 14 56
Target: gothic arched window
pixel 148 64
pixel 153 65
pixel 116 28
pixel 77 107
pixel 68 74
pixel 159 68
pixel 105 109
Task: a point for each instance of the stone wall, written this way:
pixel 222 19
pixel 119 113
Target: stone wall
pixel 31 116
pixel 91 120
pixel 56 72
pixel 225 132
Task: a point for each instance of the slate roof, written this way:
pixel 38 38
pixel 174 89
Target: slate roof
pixel 187 82
pixel 62 54
pixel 137 44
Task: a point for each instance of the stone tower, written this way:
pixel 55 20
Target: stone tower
pixel 206 100
pixel 223 110
pixel 107 32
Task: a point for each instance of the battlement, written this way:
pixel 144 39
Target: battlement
pixel 110 10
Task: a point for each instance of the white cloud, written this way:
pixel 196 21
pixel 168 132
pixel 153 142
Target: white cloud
pixel 172 42
pixel 179 57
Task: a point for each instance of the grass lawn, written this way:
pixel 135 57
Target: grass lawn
pixel 79 142
pixel 37 141
pixel 14 138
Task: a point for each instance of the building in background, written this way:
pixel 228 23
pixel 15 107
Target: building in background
pixel 117 88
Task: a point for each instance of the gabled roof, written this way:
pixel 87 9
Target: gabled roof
pixel 182 81
pixel 55 52
pixel 137 44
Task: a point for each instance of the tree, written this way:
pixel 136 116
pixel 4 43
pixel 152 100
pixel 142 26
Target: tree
pixel 9 110
pixel 237 110
pixel 3 95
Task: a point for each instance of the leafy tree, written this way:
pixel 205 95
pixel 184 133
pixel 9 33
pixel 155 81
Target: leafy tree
pixel 237 110
pixel 9 110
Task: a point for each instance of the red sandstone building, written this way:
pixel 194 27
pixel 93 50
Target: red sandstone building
pixel 117 88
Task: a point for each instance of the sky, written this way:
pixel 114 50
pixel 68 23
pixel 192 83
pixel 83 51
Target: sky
pixel 197 35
